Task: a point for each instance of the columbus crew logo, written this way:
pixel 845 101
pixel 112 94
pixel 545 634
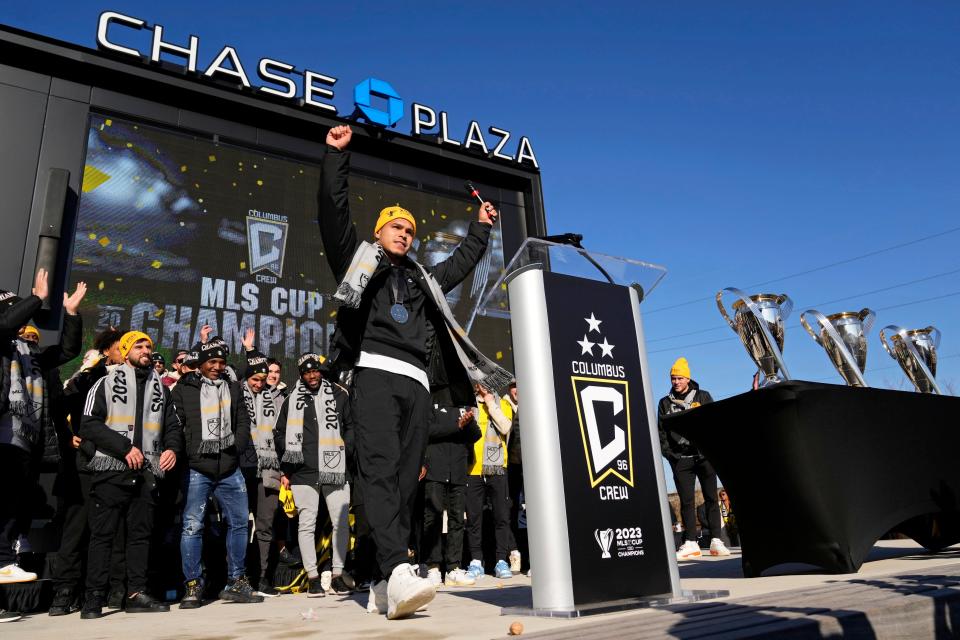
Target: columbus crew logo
pixel 266 243
pixel 603 409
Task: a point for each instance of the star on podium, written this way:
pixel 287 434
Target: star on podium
pixel 587 346
pixel 593 322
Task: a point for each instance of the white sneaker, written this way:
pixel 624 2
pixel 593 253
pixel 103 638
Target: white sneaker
pixel 12 573
pixel 407 592
pixel 459 578
pixel 433 575
pixel 515 561
pixel 717 548
pixel 326 579
pixel 377 602
pixel 689 549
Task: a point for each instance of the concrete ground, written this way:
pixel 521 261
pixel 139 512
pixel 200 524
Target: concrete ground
pixel 455 613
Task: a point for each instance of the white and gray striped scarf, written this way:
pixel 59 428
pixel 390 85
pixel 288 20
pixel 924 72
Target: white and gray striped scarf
pixel 27 398
pixel 480 369
pixel 262 408
pixel 215 404
pixel 331 452
pixel 120 393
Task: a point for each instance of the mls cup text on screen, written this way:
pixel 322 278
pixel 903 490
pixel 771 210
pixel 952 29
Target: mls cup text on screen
pixel 317 89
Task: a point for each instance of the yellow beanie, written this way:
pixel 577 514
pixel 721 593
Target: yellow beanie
pixel 131 338
pixel 680 368
pixel 29 330
pixel 392 213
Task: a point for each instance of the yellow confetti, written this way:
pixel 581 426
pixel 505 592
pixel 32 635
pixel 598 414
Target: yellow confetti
pixel 423 221
pixel 108 122
pixel 158 313
pixel 212 158
pixel 259 183
pixel 100 286
pixel 360 198
pixel 200 200
pixel 243 264
pixel 499 355
pixel 118 279
pixel 333 314
pixel 81 261
pixel 301 170
pixel 183 168
pixel 92 178
pixel 433 213
pixel 156 264
pixel 240 163
pixel 234 184
pixel 443 216
pixel 469 209
pixel 92 236
pixel 129 145
pixel 119 247
pixel 104 241
pixel 196 185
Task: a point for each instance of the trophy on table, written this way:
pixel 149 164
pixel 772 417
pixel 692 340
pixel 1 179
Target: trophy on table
pixel 844 337
pixel 758 320
pixel 915 350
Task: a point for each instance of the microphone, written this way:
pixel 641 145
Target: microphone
pixel 472 190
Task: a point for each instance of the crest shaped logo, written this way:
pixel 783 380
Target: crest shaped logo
pixel 331 459
pixel 603 409
pixel 266 245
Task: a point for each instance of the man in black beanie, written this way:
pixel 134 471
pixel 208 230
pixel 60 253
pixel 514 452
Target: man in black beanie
pixel 313 458
pixel 258 461
pixel 216 427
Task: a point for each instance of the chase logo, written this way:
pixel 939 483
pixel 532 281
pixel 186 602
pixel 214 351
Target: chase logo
pixel 266 243
pixel 365 93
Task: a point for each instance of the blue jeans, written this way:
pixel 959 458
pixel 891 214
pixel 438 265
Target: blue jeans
pixel 231 494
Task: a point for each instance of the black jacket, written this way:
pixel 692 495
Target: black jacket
pixel 74 397
pixel 422 343
pixel 94 428
pixel 308 471
pixel 672 444
pixel 448 452
pixel 186 399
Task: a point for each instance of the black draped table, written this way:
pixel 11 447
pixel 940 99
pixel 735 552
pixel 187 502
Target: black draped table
pixel 817 473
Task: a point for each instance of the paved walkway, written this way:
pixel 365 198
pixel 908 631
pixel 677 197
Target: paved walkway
pixel 475 612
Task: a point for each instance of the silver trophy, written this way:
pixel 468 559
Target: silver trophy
pixel 915 350
pixel 844 337
pixel 604 538
pixel 758 320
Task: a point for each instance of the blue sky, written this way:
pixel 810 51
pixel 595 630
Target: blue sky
pixel 734 143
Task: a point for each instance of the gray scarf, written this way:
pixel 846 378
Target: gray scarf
pixel 262 408
pixel 27 398
pixel 331 455
pixel 676 406
pixel 120 392
pixel 215 428
pixel 480 369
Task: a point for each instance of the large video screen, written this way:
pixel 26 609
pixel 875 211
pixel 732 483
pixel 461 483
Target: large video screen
pixel 176 231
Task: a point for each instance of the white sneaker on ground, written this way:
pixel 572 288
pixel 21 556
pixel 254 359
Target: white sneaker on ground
pixel 12 573
pixel 433 575
pixel 717 548
pixel 459 578
pixel 407 592
pixel 377 603
pixel 515 561
pixel 326 579
pixel 689 549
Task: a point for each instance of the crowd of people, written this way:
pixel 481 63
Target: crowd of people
pixel 404 425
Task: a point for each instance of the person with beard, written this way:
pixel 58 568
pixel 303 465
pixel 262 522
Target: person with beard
pixel 396 331
pixel 73 486
pixel 25 414
pixel 688 463
pixel 130 419
pixel 259 461
pixel 216 428
pixel 313 459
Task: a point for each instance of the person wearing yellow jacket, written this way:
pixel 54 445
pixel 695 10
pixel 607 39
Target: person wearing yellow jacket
pixel 488 478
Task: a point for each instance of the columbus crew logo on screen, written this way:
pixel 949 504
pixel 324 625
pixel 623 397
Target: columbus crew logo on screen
pixel 602 396
pixel 266 241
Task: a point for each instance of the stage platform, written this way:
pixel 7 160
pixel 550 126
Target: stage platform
pixel 901 591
